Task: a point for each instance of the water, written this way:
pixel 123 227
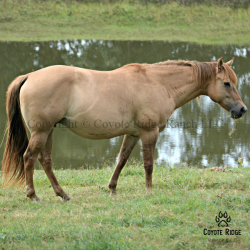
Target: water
pixel 196 136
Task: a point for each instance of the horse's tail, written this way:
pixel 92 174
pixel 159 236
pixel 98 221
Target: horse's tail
pixel 17 140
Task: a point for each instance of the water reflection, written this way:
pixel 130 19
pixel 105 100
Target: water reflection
pixel 204 142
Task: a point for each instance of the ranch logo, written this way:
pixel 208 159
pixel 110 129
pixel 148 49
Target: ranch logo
pixel 222 220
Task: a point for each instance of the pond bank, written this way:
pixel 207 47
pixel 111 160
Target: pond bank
pixel 58 20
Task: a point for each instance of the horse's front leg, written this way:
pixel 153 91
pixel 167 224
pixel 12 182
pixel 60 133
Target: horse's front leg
pixel 127 146
pixel 149 139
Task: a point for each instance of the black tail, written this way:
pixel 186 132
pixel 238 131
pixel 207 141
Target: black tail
pixel 17 140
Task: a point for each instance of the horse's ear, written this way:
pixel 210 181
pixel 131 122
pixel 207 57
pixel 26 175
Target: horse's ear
pixel 230 62
pixel 220 62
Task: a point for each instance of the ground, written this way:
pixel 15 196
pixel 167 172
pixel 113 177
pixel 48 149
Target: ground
pixel 181 208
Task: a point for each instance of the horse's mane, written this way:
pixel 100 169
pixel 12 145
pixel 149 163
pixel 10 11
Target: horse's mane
pixel 202 71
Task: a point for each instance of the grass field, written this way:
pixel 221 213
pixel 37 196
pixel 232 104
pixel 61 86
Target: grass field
pixel 183 202
pixel 52 20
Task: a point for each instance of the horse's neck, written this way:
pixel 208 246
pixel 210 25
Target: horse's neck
pixel 180 84
pixel 186 92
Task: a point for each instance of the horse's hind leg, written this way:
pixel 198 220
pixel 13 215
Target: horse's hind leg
pixel 126 148
pixel 45 159
pixel 36 144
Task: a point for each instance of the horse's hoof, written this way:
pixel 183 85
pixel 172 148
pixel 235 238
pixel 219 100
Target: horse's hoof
pixel 112 192
pixel 66 198
pixel 34 198
pixel 148 190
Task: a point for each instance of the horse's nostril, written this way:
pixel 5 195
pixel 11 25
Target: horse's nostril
pixel 243 110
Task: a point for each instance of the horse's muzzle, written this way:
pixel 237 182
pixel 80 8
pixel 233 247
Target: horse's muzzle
pixel 238 113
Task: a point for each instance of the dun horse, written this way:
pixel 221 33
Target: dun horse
pixel 138 99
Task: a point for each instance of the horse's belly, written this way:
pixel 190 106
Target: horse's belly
pixel 100 128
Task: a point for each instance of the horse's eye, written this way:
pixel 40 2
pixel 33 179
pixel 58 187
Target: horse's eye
pixel 227 84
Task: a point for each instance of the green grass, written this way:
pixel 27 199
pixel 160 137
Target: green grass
pixel 173 215
pixel 51 20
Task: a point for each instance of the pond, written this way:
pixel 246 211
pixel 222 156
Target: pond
pixel 196 136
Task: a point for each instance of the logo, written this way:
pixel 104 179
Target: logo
pixel 223 222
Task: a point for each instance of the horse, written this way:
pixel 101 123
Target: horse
pixel 135 100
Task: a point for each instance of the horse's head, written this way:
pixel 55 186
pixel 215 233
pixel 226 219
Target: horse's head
pixel 223 90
